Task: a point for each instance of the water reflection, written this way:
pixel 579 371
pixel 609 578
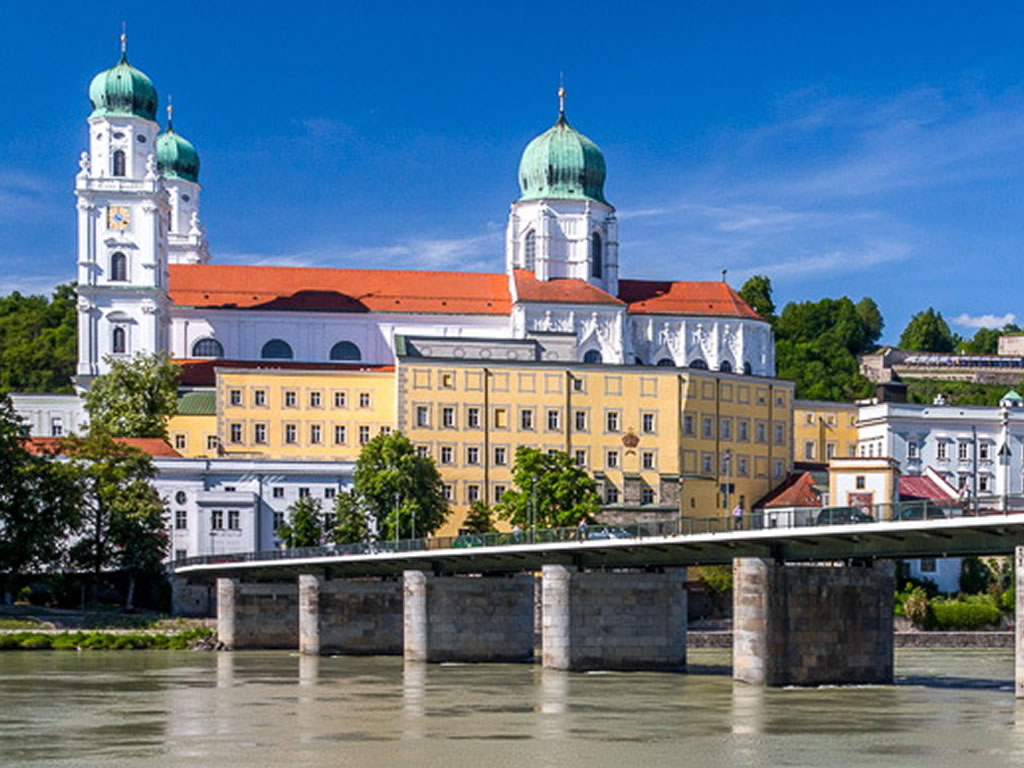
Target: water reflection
pixel 747 708
pixel 414 698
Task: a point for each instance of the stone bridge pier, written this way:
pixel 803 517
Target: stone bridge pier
pixel 613 620
pixel 812 624
pixel 350 616
pixel 257 614
pixel 468 618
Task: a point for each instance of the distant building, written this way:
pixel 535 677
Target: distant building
pixel 823 430
pixel 890 364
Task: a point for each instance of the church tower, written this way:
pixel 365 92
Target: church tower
pixel 123 214
pixel 177 162
pixel 561 226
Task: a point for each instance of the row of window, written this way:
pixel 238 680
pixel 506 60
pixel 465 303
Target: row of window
pixel 275 349
pixel 831 450
pixel 316 434
pixel 290 398
pixel 528 418
pixel 964 450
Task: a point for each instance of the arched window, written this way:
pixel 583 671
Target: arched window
pixel 207 348
pixel 637 361
pixel 592 356
pixel 666 362
pixel 596 267
pixel 275 349
pixel 345 350
pixel 530 251
pixel 748 368
pixel 118 267
pixel 118 169
pixel 699 364
pixel 725 367
pixel 119 341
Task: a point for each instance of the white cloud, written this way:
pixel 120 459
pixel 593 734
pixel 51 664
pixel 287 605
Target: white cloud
pixel 984 321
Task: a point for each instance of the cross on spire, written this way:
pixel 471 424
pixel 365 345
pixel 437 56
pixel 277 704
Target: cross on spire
pixel 124 40
pixel 561 96
pixel 170 113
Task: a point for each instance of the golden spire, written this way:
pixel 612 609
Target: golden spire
pixel 170 113
pixel 124 40
pixel 561 96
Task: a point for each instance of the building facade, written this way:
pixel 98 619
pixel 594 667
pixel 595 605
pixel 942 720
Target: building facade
pixel 823 430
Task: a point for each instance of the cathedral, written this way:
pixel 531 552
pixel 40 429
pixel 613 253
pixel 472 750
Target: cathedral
pixel 147 281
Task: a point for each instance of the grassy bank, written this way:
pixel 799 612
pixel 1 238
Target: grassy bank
pixel 106 641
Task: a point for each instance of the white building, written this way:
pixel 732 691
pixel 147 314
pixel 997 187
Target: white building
pixel 145 284
pixel 974 448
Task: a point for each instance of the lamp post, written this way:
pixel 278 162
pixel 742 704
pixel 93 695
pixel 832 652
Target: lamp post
pixel 533 506
pixel 398 519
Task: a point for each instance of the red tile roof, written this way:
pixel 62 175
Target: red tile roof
pixel 652 297
pixel 918 487
pixel 796 491
pixel 154 446
pixel 310 289
pixel 560 291
pixel 200 373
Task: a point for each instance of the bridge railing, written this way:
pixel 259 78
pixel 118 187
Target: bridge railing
pixel 787 517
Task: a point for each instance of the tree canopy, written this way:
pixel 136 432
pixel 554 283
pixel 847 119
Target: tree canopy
pixel 396 486
pixel 757 292
pixel 554 488
pixel 303 525
pixel 38 502
pixel 817 343
pixel 927 332
pixel 351 525
pixel 38 341
pixel 136 397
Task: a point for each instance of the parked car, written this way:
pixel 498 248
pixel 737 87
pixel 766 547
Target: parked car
pixel 843 516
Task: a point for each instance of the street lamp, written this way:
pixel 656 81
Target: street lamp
pixel 533 506
pixel 397 519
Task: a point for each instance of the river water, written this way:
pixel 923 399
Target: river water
pixel 165 708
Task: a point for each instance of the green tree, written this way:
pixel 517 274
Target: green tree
pixel 927 332
pixel 38 341
pixel 351 524
pixel 303 525
pixel 817 343
pixel 398 487
pixel 479 518
pixel 123 522
pixel 757 292
pixel 551 486
pixel 38 501
pixel 136 398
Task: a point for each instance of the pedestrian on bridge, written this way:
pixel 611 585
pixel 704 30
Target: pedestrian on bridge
pixel 737 517
pixel 581 530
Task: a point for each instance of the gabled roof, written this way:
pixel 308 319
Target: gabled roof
pixel 198 403
pixel 201 373
pixel 309 289
pixel 795 491
pixel 921 487
pixel 154 446
pixel 560 291
pixel 683 297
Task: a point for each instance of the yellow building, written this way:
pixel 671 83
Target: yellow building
pixel 823 430
pixel 193 430
pixel 658 440
pixel 302 414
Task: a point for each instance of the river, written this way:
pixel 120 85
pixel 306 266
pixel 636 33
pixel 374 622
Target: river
pixel 165 708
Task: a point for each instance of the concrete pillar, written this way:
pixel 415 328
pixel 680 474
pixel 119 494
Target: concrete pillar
pixel 812 624
pixel 621 620
pixel 193 600
pixel 309 613
pixel 350 616
pixel 469 619
pixel 257 615
pixel 1019 624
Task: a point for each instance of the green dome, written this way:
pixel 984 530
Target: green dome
pixel 176 158
pixel 562 164
pixel 123 91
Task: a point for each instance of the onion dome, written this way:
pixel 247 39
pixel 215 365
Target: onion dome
pixel 562 164
pixel 123 91
pixel 176 158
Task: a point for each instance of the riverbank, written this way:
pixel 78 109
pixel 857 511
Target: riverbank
pixel 199 638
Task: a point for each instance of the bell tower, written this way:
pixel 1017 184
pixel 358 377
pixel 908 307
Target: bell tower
pixel 122 225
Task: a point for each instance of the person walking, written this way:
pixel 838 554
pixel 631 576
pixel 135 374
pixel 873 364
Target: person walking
pixel 737 517
pixel 581 530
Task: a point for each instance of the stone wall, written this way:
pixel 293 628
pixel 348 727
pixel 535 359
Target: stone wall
pixel 350 616
pixel 192 600
pixel 812 624
pixel 257 615
pixel 470 619
pixel 614 620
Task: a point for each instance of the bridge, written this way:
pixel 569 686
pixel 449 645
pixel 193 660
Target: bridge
pixel 813 591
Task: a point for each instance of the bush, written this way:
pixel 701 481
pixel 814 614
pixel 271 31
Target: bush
pixel 957 614
pixel 37 642
pixel 917 607
pixel 1008 600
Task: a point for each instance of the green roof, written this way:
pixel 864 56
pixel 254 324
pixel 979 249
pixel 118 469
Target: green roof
pixel 123 91
pixel 562 164
pixel 176 158
pixel 198 404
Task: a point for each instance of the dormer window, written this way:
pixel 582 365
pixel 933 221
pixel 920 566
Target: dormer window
pixel 530 251
pixel 596 267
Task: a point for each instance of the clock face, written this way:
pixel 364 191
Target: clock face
pixel 118 217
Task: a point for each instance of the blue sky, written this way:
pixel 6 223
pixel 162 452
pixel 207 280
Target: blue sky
pixel 870 150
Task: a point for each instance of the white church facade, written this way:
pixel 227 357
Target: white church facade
pixel 146 282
